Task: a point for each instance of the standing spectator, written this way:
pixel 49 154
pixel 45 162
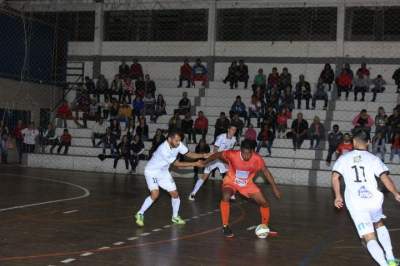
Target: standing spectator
pixel 136 70
pixel 316 132
pixel 184 105
pixel 102 87
pixel 243 73
pixel 260 80
pixel 363 70
pixel 379 86
pixel 381 120
pixel 239 124
pixel 344 83
pixel 98 131
pixel 157 140
pixel 273 79
pixel 395 148
pixel 255 110
pixel 109 141
pixel 65 141
pixel 187 127
pixel 327 76
pixel 303 91
pixel 251 134
pixel 199 73
pixel 149 104
pixel 221 125
pixel 363 120
pixel 379 145
pixel 334 139
pixel 149 86
pixel 238 107
pixel 361 84
pixel 299 131
pixel 200 126
pixel 123 150
pixel 396 78
pixel 142 130
pixel 320 94
pixel 30 134
pixel 4 141
pixel 233 75
pixel 185 74
pixel 175 123
pixel 137 147
pixel 123 70
pixel 116 87
pixel 265 139
pixel 64 113
pixel 202 147
pixel 128 90
pixel 345 146
pixel 19 139
pixel 159 108
pixel 285 79
pixel 49 137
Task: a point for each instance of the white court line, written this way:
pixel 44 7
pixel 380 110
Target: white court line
pixel 195 217
pixel 118 243
pixel 103 248
pixel 72 211
pixel 157 229
pixel 145 234
pixel 209 212
pixel 86 254
pixel 68 260
pixel 132 238
pixel 168 225
pixel 187 220
pixel 251 227
pixel 394 229
pixel 84 195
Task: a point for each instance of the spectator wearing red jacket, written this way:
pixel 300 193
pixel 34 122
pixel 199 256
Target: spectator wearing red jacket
pixel 281 120
pixel 136 70
pixel 64 112
pixel 200 126
pixel 344 82
pixel 65 140
pixel 363 70
pixel 185 74
pixel 265 138
pixel 345 146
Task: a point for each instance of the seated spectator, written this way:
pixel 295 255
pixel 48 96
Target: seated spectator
pixel 320 94
pixel 109 141
pixel 142 130
pixel 30 135
pixel 98 131
pixel 361 84
pixel 175 122
pixel 287 98
pixel 184 105
pixel 105 108
pixel 199 73
pixel 299 131
pixel 393 124
pixel 270 118
pixel 102 87
pixel 202 147
pixel 159 108
pixel 149 104
pixel 395 147
pixel 239 124
pixel 255 110
pixel 344 83
pixel 273 79
pixel 123 151
pixel 344 147
pixel 114 110
pixel 185 74
pixel 136 70
pixel 348 70
pixel 273 97
pixel 90 86
pixel 285 79
pixel 125 114
pixel 316 133
pixel 251 134
pixel 363 71
pixel 128 90
pixel 396 78
pixel 138 106
pixel 140 87
pixel 65 141
pixel 233 75
pixel 64 113
pixel 187 127
pixel 379 86
pixel 243 73
pixel 381 120
pixel 115 129
pixel 200 126
pixel 335 137
pixel 260 80
pixel 281 122
pixel 379 145
pixel 265 139
pixel 238 107
pixel 303 91
pixel 221 125
pixel 116 87
pixel 137 147
pixel 157 140
pixel 5 138
pixel 129 131
pixel 327 76
pixel 93 114
pixel 49 137
pixel 149 86
pixel 363 120
pixel 123 70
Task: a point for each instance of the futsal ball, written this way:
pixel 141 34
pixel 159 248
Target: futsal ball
pixel 262 231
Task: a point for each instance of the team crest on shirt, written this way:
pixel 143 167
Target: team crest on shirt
pixel 357 159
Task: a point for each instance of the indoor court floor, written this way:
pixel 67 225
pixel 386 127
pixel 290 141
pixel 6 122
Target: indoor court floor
pixel 53 217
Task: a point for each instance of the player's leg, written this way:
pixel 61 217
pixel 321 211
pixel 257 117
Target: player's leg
pixel 384 239
pixel 227 193
pixel 263 204
pixel 167 183
pixel 200 181
pixel 374 249
pixel 152 184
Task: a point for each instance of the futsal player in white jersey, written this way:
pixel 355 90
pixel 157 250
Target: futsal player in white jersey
pixel 364 201
pixel 158 176
pixel 225 141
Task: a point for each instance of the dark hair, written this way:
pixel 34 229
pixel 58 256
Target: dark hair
pixel 361 134
pixel 173 132
pixel 247 145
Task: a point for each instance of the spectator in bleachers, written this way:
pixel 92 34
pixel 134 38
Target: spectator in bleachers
pixel 128 90
pixel 303 91
pixel 265 139
pixel 251 134
pixel 19 139
pixel 395 147
pixel 90 86
pixel 102 87
pixel 93 114
pixel 344 83
pixel 273 99
pixel 327 76
pixel 363 120
pixel 379 145
pixel 299 131
pixel 316 133
pixel 105 108
pixel 285 79
pixel 238 107
pixel 270 118
pixel 125 114
pixel 49 137
pixel 320 94
pixel 187 127
pixel 393 124
pixel 109 141
pixel 185 74
pixel 149 104
pixel 30 135
pixel 335 137
pixel 140 87
pixel 64 113
pixel 379 86
pixel 157 140
pixel 243 71
pixel 114 110
pixel 149 86
pixel 363 70
pixel 396 78
pixel 287 98
pixel 281 122
pixel 159 108
pixel 5 138
pixel 65 141
pixel 233 75
pixel 136 70
pixel 184 105
pixel 345 146
pixel 123 150
pixel 138 106
pixel 221 125
pixel 98 131
pixel 273 79
pixel 348 70
pixel 255 110
pixel 202 147
pixel 137 147
pixel 142 130
pixel 381 120
pixel 260 80
pixel 115 129
pixel 175 123
pixel 116 87
pixel 129 131
pixel 200 126
pixel 123 70
pixel 239 124
pixel 199 73
pixel 360 84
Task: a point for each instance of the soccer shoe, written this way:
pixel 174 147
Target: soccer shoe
pixel 226 230
pixel 394 262
pixel 191 197
pixel 178 220
pixel 139 219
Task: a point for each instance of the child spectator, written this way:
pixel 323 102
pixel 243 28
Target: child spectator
pixel 395 148
pixel 379 145
pixel 65 141
pixel 345 146
pixel 265 139
pixel 379 86
pixel 185 74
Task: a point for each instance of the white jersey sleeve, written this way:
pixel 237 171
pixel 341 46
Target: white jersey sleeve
pixel 219 141
pixel 339 166
pixel 182 149
pixel 380 168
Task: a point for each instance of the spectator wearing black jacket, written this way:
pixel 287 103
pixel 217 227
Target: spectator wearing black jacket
pixel 221 125
pixel 157 140
pixel 299 131
pixel 109 141
pixel 396 78
pixel 123 70
pixel 233 75
pixel 137 147
pixel 123 152
pixel 187 127
pixel 149 86
pixel 320 94
pixel 303 91
pixel 335 137
pixel 327 76
pixel 142 130
pixel 243 73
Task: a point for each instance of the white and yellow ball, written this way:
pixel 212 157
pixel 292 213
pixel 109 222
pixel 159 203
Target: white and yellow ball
pixel 262 231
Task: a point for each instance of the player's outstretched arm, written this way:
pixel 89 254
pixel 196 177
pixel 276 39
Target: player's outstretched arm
pixel 387 181
pixel 180 164
pixel 213 157
pixel 336 189
pixel 269 177
pixel 196 156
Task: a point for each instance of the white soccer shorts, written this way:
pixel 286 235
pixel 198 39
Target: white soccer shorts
pixel 364 219
pixel 214 165
pixel 162 179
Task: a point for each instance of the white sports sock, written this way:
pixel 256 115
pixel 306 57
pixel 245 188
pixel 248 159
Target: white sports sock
pixel 384 239
pixel 146 204
pixel 376 252
pixel 175 206
pixel 198 185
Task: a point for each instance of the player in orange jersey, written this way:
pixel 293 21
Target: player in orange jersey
pixel 244 165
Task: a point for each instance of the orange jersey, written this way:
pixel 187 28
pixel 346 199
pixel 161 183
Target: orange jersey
pixel 344 148
pixel 242 172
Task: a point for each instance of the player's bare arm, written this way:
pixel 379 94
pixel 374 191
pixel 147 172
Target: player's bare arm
pixel 213 157
pixel 388 183
pixel 336 189
pixel 196 156
pixel 180 164
pixel 270 178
